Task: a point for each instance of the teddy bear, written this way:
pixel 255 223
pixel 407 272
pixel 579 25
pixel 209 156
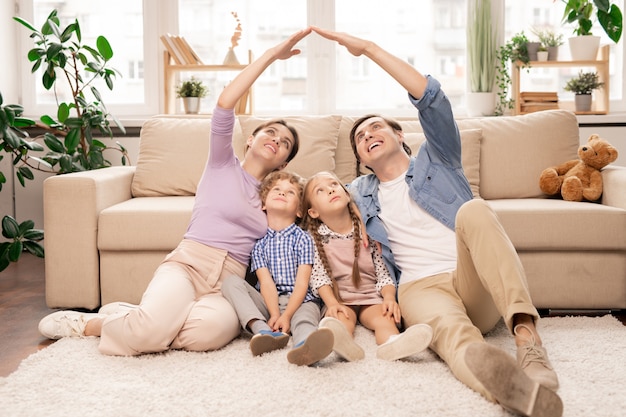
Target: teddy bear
pixel 580 179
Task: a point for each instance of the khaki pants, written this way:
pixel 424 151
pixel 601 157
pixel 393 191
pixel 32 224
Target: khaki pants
pixel 182 308
pixel 489 283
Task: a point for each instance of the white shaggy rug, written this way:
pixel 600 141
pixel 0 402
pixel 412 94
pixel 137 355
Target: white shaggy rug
pixel 71 378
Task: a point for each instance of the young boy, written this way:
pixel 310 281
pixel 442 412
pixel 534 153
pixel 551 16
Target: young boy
pixel 282 260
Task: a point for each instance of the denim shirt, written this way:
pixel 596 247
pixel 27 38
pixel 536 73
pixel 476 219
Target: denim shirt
pixel 435 176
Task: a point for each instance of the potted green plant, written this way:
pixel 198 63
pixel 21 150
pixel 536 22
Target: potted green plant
pixel 549 40
pixel 582 86
pixel 584 46
pixel 542 53
pixel 514 50
pixel 71 136
pixel 191 91
pixel 482 59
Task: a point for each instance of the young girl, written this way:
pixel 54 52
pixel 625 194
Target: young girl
pixel 183 307
pixel 352 279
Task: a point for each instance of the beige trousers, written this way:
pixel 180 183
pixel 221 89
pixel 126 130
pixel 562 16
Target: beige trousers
pixel 489 283
pixel 182 308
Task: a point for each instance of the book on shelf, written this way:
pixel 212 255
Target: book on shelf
pixel 539 96
pixel 179 49
pixel 194 56
pixel 532 101
pixel 172 49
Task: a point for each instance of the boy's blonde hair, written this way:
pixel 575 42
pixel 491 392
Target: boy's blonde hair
pixel 273 177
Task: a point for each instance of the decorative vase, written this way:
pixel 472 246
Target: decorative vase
pixel 532 48
pixel 231 58
pixel 481 104
pixel 542 55
pixel 584 48
pixel 191 105
pixel 582 102
pixel 553 53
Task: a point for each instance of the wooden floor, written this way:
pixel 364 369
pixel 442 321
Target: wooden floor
pixel 22 305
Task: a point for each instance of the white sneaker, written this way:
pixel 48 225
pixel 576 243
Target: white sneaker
pixel 344 344
pixel 66 323
pixel 410 342
pixel 116 307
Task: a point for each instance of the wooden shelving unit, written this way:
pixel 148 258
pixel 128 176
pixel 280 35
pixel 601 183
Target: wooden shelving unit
pixel 171 70
pixel 600 103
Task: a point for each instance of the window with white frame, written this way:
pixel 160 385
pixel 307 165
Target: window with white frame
pixel 429 34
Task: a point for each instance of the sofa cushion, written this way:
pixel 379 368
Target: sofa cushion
pixel 515 149
pixel 318 141
pixel 144 223
pixel 541 224
pixel 170 163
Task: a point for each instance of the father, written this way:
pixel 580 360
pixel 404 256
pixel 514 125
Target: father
pixel 455 266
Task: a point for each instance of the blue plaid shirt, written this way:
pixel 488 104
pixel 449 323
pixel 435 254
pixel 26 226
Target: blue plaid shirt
pixel 282 252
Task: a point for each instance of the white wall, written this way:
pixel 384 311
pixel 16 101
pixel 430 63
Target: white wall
pixel 9 89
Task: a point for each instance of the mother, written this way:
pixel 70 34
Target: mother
pixel 183 307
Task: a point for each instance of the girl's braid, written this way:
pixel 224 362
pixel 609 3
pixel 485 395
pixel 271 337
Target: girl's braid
pixel 313 226
pixel 356 236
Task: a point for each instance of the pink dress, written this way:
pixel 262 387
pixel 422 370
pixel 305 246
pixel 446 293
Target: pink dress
pixel 339 251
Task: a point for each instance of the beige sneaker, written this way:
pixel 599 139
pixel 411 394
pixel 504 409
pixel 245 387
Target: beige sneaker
pixel 509 385
pixel 410 342
pixel 66 323
pixel 344 344
pixel 313 349
pixel 267 341
pixel 534 361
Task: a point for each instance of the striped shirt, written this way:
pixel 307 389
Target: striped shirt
pixel 282 252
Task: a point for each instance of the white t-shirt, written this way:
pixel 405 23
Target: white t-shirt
pixel 421 245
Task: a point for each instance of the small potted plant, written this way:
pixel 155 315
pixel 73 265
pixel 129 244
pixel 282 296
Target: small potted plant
pixel 191 91
pixel 550 41
pixel 542 53
pixel 582 86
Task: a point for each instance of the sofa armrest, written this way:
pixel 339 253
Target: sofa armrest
pixel 614 186
pixel 72 204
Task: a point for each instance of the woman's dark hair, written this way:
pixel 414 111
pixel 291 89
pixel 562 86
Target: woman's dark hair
pixel 294 132
pixel 392 123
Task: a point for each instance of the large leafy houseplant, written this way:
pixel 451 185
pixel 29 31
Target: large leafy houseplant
pixel 13 141
pixel 71 135
pixel 581 13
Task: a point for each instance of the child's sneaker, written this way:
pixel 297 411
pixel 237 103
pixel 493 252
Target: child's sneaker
pixel 410 342
pixel 66 323
pixel 267 341
pixel 344 344
pixel 313 349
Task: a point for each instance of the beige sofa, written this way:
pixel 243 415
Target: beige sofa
pixel 107 230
